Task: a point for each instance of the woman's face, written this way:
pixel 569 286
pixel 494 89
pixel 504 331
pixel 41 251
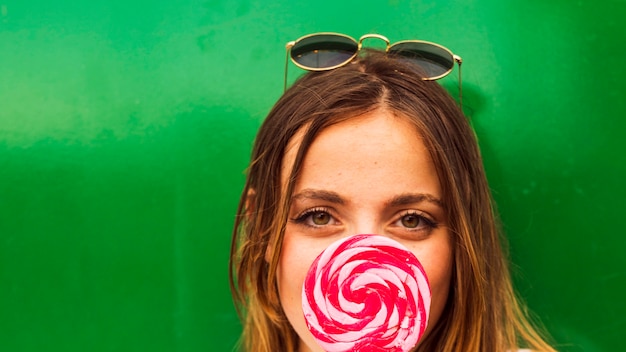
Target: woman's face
pixel 367 175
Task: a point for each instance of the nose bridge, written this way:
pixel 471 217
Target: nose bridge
pixel 367 222
pixel 375 36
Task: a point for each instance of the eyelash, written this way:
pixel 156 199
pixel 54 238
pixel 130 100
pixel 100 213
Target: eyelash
pixel 305 218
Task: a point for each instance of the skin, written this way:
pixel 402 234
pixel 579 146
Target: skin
pixel 370 174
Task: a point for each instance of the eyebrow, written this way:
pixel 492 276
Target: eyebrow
pixel 400 200
pixel 328 196
pixel 412 198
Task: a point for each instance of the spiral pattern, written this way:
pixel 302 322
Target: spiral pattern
pixel 366 293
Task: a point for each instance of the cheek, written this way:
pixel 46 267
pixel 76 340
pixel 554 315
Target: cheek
pixel 439 271
pixel 297 254
pixel 436 257
pixel 290 272
pixel 440 277
pixel 295 259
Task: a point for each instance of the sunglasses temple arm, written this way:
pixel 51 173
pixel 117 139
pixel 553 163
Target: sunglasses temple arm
pixel 287 50
pixel 285 75
pixel 459 61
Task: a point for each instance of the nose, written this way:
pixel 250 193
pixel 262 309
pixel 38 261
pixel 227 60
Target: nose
pixel 366 224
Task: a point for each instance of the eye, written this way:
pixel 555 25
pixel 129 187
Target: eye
pixel 315 218
pixel 413 220
pixel 320 218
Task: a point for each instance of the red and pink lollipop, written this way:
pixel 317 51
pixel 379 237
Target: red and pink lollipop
pixel 366 293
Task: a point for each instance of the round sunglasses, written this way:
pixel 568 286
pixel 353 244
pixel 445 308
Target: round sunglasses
pixel 327 51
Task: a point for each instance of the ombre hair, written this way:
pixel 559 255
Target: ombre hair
pixel 483 312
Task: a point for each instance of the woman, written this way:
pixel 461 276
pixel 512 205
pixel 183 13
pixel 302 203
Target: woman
pixel 372 147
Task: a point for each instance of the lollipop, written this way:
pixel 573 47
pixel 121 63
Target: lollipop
pixel 366 293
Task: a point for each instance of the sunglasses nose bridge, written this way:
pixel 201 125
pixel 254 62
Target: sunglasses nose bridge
pixel 374 36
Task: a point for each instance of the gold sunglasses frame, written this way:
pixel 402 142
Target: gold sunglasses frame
pixel 359 44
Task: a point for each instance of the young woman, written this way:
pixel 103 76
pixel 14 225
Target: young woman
pixel 370 145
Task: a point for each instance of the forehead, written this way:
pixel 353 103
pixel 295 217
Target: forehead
pixel 378 144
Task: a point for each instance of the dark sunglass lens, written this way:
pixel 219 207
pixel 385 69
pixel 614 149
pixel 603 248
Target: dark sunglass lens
pixel 435 61
pixel 323 51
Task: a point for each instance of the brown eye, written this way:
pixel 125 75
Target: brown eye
pixel 411 221
pixel 320 218
pixel 317 217
pixel 415 221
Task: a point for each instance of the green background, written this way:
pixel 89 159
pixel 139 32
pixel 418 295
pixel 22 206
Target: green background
pixel 126 126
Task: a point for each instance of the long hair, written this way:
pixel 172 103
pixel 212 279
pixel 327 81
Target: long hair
pixel 482 312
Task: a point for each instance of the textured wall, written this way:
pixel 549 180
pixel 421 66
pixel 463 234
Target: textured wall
pixel 125 129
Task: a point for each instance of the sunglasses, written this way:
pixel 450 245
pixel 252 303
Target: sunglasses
pixel 327 51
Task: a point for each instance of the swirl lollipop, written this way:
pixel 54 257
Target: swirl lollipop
pixel 366 293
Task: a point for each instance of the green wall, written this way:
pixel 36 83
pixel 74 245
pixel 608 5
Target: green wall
pixel 125 129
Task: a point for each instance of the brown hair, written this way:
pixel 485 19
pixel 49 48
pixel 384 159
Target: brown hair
pixel 482 312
